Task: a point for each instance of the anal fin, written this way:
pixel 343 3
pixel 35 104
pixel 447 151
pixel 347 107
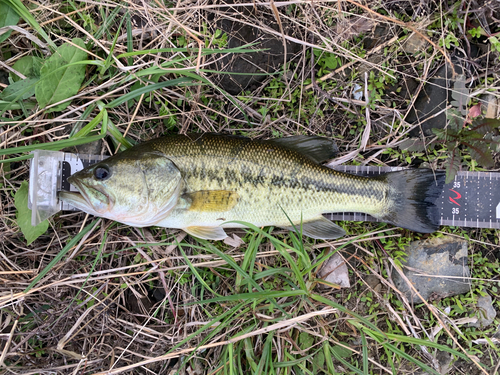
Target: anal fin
pixel 206 233
pixel 320 228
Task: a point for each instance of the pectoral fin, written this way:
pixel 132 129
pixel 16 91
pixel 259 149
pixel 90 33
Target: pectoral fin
pixel 320 228
pixel 206 233
pixel 212 200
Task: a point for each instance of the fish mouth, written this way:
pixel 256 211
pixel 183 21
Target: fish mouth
pixel 89 199
pixel 76 200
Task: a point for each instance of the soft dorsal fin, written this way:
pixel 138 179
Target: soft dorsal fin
pixel 206 233
pixel 320 228
pixel 212 200
pixel 318 149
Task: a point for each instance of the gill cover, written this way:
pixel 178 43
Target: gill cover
pixel 134 188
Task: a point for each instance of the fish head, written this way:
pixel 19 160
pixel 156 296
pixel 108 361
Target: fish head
pixel 135 188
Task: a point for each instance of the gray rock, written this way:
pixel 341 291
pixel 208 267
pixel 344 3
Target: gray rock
pixel 92 148
pixel 335 271
pixel 443 258
pixel 414 44
pixel 497 333
pixel 4 77
pixel 432 99
pixel 492 105
pixel 251 68
pixel 486 313
pixel 444 360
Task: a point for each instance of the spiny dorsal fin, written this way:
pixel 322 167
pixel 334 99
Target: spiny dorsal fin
pixel 212 200
pixel 318 149
pixel 206 233
pixel 320 228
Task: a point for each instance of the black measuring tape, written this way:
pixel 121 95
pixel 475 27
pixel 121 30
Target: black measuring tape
pixel 472 199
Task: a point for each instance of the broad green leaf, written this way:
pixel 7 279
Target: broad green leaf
pixel 19 90
pixel 460 94
pixel 481 153
pixel 318 362
pixel 60 77
pixel 341 351
pixel 484 126
pixel 8 17
pixel 305 340
pixel 29 66
pixel 452 165
pixel 23 216
pixel 413 144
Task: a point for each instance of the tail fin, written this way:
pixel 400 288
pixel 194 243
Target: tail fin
pixel 413 194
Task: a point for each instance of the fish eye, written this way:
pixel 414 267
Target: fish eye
pixel 101 173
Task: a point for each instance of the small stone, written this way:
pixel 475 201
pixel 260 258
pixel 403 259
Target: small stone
pixel 444 361
pixel 429 106
pixel 92 148
pixel 414 44
pixel 367 66
pixel 335 271
pixel 357 92
pixel 350 28
pixel 233 241
pixel 492 105
pixel 486 313
pixel 439 258
pixel 250 68
pixel 372 281
pixel 497 333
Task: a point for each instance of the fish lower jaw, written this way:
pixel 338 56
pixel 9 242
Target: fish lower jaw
pixel 78 201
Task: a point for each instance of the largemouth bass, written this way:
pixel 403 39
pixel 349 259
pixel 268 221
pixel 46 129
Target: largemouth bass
pixel 202 183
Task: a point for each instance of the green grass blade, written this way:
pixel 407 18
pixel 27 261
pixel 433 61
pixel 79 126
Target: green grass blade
pixel 266 353
pixel 130 42
pixel 237 309
pixel 237 268
pixel 23 12
pixel 19 158
pixel 249 354
pixel 326 301
pixel 345 363
pixel 253 296
pixel 109 58
pixel 195 272
pixel 249 259
pixel 117 136
pixel 389 359
pixel 328 358
pixel 63 252
pixel 294 362
pixel 411 359
pixel 145 90
pixel 230 358
pixel 364 354
pixel 91 125
pixel 380 337
pixel 108 21
pixel 54 146
pixel 241 49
